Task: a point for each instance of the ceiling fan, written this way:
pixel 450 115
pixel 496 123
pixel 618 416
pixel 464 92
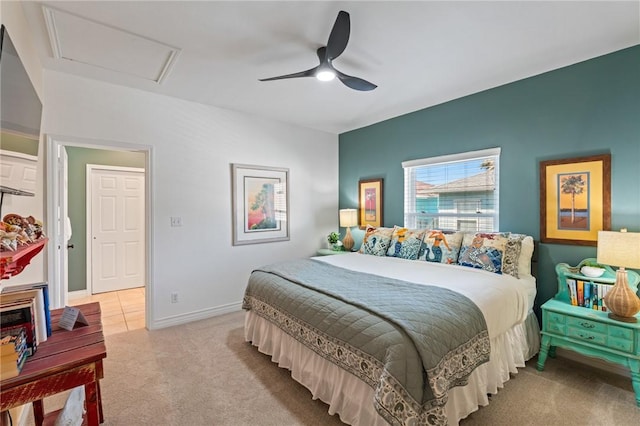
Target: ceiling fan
pixel 338 40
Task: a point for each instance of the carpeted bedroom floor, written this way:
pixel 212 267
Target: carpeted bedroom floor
pixel 204 373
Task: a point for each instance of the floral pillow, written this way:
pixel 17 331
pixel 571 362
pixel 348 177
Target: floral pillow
pixel 511 259
pixel 376 241
pixel 405 243
pixel 484 251
pixel 440 247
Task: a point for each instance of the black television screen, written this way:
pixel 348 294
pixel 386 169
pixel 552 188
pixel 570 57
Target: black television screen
pixel 21 109
pixel 20 117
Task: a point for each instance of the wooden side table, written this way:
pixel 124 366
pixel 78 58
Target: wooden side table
pixel 66 360
pixel 13 262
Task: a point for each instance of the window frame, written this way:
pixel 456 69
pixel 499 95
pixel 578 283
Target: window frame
pixel 411 216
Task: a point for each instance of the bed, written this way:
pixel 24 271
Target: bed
pixel 389 340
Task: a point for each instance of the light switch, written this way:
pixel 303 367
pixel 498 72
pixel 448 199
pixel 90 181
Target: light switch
pixel 176 221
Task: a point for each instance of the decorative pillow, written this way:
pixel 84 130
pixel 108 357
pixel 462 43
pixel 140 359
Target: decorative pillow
pixel 376 241
pixel 484 251
pixel 441 247
pixel 405 243
pixel 526 253
pixel 511 259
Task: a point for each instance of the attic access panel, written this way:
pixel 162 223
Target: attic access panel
pixel 77 39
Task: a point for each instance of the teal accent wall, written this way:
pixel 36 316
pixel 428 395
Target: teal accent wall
pixel 78 160
pixel 589 108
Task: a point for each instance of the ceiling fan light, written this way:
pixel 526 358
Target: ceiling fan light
pixel 325 75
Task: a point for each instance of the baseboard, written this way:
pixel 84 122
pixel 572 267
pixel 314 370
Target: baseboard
pixel 195 316
pixel 593 362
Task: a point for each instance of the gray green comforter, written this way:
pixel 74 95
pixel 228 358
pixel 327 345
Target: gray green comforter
pixel 411 343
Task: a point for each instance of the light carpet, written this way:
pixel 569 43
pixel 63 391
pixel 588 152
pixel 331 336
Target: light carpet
pixel 204 373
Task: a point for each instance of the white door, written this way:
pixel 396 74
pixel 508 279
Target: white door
pixel 117 259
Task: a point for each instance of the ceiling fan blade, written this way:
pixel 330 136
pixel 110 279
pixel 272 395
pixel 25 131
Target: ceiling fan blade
pixel 307 73
pixel 339 36
pixel 322 54
pixel 355 83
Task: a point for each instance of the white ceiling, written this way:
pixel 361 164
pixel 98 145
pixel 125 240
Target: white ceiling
pixel 418 53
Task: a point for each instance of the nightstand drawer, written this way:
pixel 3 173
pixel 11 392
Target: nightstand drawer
pixel 555 317
pixel 587 325
pixel 587 335
pixel 620 344
pixel 571 325
pixel 554 327
pixel 620 332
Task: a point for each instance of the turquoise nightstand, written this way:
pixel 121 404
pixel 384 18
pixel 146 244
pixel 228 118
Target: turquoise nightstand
pixel 590 331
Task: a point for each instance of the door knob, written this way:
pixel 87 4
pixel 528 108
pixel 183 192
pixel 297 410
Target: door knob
pixel 69 246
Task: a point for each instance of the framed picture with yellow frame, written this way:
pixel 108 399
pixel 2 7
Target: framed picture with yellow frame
pixel 575 199
pixel 370 202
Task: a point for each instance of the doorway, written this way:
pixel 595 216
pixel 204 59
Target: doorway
pixel 62 252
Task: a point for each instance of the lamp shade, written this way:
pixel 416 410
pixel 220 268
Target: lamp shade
pixel 348 218
pixel 619 249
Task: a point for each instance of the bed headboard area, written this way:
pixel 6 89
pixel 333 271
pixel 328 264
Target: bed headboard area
pixel 500 252
pixel 534 259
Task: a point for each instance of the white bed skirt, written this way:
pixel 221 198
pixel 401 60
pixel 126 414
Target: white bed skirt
pixel 352 399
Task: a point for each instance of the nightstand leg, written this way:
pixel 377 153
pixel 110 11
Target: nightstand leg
pixel 552 351
pixel 545 344
pixel 634 367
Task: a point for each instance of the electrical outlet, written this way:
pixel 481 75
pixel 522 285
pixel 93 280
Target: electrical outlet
pixel 176 221
pixel 174 297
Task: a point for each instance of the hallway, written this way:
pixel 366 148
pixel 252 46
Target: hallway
pixel 121 310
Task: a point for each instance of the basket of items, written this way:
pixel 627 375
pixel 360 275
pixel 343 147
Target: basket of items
pixel 21 238
pixel 17 231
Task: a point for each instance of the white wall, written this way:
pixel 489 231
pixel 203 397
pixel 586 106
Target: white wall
pixel 193 147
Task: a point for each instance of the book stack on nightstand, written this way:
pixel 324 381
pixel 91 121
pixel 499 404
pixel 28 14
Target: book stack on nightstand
pixel 585 327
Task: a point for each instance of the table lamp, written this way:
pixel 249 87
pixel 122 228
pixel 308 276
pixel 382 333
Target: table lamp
pixel 348 218
pixel 620 249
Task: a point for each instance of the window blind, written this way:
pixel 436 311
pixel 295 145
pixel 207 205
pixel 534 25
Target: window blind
pixel 453 192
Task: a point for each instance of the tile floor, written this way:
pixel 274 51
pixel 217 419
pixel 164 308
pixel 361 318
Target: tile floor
pixel 121 310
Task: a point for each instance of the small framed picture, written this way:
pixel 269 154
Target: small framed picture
pixel 575 199
pixel 370 202
pixel 260 204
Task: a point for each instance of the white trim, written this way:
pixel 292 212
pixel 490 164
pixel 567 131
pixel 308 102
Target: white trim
pixel 54 143
pixel 15 154
pixel 52 30
pixel 194 316
pixel 115 168
pixel 169 65
pixel 451 158
pixel 411 169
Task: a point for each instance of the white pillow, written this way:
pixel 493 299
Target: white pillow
pixel 526 252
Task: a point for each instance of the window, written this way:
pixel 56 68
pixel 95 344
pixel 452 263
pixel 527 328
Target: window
pixel 453 192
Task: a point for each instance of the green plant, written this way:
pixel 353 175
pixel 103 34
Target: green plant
pixel 333 237
pixel 592 262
